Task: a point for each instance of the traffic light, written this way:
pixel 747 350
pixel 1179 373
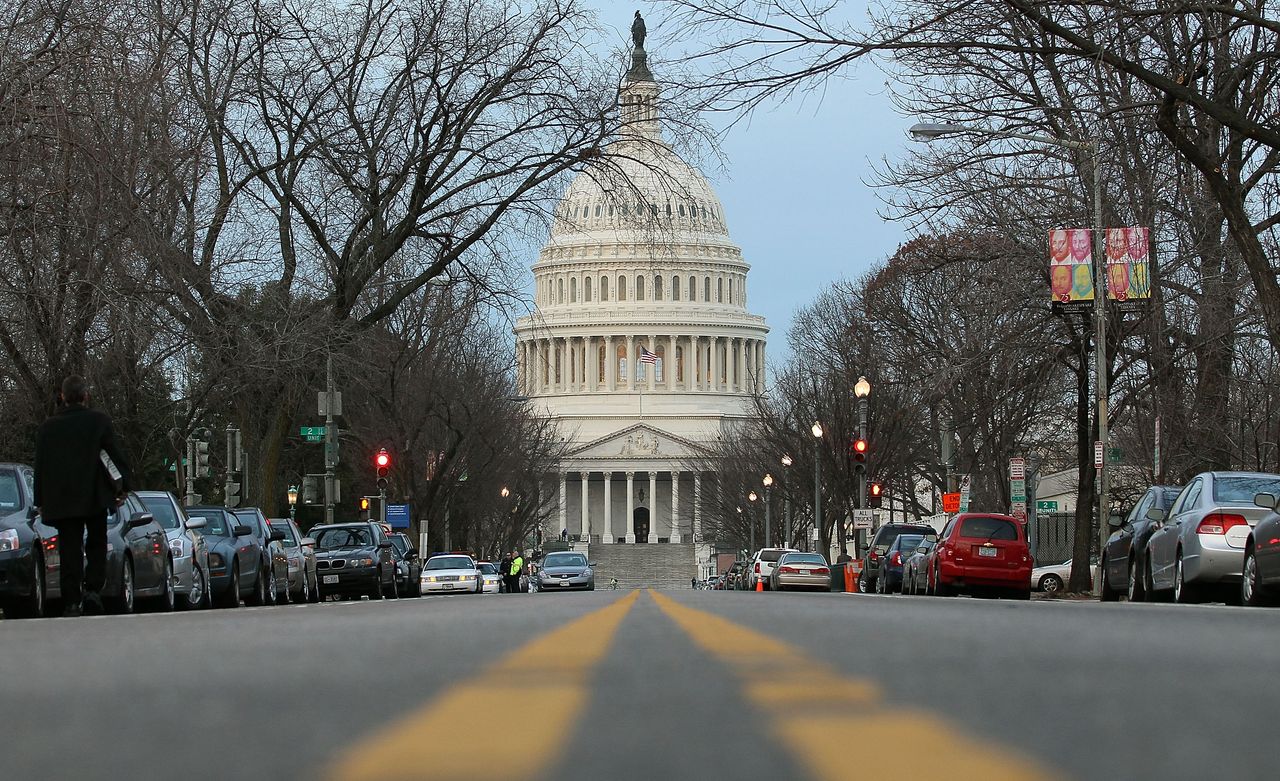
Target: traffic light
pixel 364 504
pixel 859 449
pixel 383 463
pixel 875 494
pixel 202 458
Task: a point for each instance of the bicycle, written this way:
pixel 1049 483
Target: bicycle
pixel 613 584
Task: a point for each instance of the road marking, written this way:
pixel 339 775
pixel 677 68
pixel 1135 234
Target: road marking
pixel 453 737
pixel 817 711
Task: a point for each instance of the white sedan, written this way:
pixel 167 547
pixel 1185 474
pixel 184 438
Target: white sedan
pixel 1053 579
pixel 450 573
pixel 490 580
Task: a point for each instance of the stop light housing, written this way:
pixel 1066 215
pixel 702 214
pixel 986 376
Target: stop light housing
pixel 875 494
pixel 858 449
pixel 382 462
pixel 364 504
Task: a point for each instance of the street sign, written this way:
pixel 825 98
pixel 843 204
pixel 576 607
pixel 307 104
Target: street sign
pixel 398 516
pixel 324 406
pixel 1097 454
pixel 312 433
pixel 864 519
pixel 331 453
pixel 1017 468
pixel 966 482
pixel 1046 506
pixel 1114 455
pixel 951 503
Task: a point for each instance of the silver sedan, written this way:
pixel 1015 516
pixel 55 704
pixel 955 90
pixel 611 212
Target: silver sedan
pixel 186 548
pixel 1200 542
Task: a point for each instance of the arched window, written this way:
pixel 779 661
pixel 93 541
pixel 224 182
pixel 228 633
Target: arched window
pixel 560 287
pixel 586 289
pixel 573 290
pixel 706 289
pixel 730 290
pixel 657 367
pixel 719 290
pixel 622 362
pixel 604 288
pixel 597 210
pixel 639 288
pixel 675 288
pixel 693 289
pixel 680 208
pixel 622 288
pixel 557 367
pixel 657 288
pixel 601 357
pixel 679 363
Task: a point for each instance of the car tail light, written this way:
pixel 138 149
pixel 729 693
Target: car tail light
pixel 791 570
pixel 757 568
pixel 1220 523
pixel 51 543
pixel 821 571
pixel 896 559
pixel 873 556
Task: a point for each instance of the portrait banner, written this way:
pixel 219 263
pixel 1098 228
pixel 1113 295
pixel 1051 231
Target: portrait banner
pixel 1071 265
pixel 1128 264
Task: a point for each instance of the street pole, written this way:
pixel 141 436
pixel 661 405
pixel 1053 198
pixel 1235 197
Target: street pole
pixel 330 441
pixel 862 476
pixel 768 518
pixel 191 472
pixel 1100 365
pixel 817 484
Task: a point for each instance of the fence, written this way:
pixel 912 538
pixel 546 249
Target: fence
pixel 1053 537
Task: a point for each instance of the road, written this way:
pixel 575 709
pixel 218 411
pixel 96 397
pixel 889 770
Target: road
pixel 646 685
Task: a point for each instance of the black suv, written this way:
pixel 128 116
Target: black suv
pixel 354 559
pixel 885 536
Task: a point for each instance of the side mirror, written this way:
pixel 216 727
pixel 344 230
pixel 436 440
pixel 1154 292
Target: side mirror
pixel 1155 514
pixel 411 552
pixel 307 542
pixel 591 563
pixel 276 535
pixel 197 523
pixel 1115 521
pixel 385 544
pixel 241 530
pixel 1265 500
pixel 140 519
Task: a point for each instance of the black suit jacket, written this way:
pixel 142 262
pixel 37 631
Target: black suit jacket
pixel 71 481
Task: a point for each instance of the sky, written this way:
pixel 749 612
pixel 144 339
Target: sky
pixel 794 183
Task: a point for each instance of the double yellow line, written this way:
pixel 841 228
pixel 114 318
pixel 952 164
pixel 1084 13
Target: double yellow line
pixel 815 712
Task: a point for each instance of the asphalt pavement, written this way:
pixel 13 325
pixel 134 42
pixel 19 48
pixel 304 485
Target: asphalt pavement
pixel 647 685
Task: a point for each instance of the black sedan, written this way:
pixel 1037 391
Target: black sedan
pixel 235 558
pixel 22 559
pixel 1125 555
pixel 354 559
pixel 1261 582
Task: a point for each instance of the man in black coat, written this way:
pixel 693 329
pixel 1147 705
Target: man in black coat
pixel 74 491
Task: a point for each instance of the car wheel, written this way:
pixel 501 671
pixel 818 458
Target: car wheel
pixel 1252 592
pixel 273 593
pixel 1137 585
pixel 1183 593
pixel 375 593
pixel 232 597
pixel 32 606
pixel 124 601
pixel 1051 584
pixel 304 596
pixel 167 601
pixel 259 595
pixel 939 588
pixel 1108 594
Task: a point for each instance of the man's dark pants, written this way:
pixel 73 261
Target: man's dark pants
pixel 78 539
pixel 513 583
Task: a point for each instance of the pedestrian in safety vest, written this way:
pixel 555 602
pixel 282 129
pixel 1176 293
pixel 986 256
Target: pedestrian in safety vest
pixel 517 566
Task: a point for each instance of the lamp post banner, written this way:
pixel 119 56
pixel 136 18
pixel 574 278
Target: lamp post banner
pixel 1128 268
pixel 1071 266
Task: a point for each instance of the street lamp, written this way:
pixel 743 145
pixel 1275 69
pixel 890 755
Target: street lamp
pixel 928 131
pixel 293 501
pixel 861 389
pixel 751 497
pixel 768 517
pixel 786 503
pixel 817 479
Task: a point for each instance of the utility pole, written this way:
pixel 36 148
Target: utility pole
pixel 330 441
pixel 1100 364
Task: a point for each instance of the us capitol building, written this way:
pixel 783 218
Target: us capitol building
pixel 640 345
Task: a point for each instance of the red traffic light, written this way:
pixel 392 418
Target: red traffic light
pixel 875 495
pixel 859 445
pixel 877 489
pixel 383 459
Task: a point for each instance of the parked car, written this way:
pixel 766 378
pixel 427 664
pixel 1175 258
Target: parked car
pixel 235 558
pixel 354 559
pixel 300 552
pixel 1124 557
pixel 801 570
pixel 1260 572
pixel 22 548
pixel 187 548
pixel 490 578
pixel 566 571
pixel 762 564
pixel 451 573
pixel 915 570
pixel 275 561
pixel 889 579
pixel 879 546
pixel 408 565
pixel 982 550
pixel 1053 578
pixel 1199 544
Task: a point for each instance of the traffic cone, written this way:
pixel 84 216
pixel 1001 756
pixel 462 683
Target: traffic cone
pixel 759 584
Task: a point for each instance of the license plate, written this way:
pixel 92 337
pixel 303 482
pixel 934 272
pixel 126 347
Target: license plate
pixel 806 572
pixel 448 585
pixel 564 582
pixel 988 552
pixel 329 580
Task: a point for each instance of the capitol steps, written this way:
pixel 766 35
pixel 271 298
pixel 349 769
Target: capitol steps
pixel 659 566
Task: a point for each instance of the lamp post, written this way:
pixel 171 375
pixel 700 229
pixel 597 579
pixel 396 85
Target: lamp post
pixel 293 501
pixel 768 516
pixel 861 389
pixel 751 497
pixel 786 506
pixel 929 131
pixel 817 483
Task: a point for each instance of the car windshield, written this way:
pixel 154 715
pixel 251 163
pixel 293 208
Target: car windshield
pixel 162 509
pixel 488 568
pixel 339 537
pixel 450 562
pixel 908 541
pixel 988 529
pixel 1240 490
pixel 401 543
pixel 289 540
pixel 564 560
pixel 10 496
pixel 771 554
pixel 805 558
pixel 215 521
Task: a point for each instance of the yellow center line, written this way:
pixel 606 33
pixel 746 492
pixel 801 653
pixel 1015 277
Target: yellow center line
pixel 818 713
pixel 447 739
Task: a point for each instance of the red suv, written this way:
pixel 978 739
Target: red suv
pixel 982 549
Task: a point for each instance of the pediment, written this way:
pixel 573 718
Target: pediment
pixel 639 440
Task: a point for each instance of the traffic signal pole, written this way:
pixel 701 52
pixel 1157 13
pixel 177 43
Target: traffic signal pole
pixel 330 441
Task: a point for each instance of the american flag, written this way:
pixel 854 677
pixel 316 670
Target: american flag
pixel 646 356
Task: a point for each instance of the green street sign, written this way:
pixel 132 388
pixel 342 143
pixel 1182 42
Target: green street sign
pixel 312 431
pixel 1047 507
pixel 1115 455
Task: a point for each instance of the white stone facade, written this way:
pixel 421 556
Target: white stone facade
pixel 639 261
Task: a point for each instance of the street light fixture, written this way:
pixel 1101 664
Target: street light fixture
pixel 929 131
pixel 862 388
pixel 293 501
pixel 786 503
pixel 817 477
pixel 768 511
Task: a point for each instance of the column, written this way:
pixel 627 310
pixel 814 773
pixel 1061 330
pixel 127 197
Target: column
pixel 593 364
pixel 586 495
pixel 746 372
pixel 631 363
pixel 706 375
pixel 675 506
pixel 607 536
pixel 760 366
pixel 653 507
pixel 564 509
pixel 715 363
pixel 631 507
pixel 690 382
pixel 697 507
pixel 653 368
pixel 669 364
